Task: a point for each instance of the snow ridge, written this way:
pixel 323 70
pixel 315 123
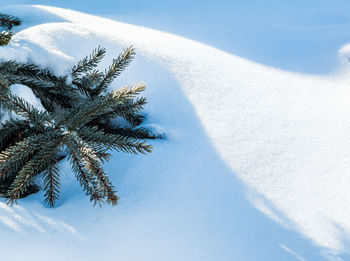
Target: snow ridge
pixel 242 134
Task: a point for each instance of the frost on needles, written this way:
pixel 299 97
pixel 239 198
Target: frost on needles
pixel 76 123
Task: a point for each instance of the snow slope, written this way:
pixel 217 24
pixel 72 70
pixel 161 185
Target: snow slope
pixel 293 35
pixel 255 166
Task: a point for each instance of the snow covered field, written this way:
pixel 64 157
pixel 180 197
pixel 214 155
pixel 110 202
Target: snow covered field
pixel 256 161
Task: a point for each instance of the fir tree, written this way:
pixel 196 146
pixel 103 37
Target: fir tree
pixel 77 123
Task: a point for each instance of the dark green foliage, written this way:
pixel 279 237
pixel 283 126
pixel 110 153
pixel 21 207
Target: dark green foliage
pixel 5 38
pixel 78 124
pixel 117 66
pixel 7 22
pixel 51 90
pixel 89 63
pixel 81 125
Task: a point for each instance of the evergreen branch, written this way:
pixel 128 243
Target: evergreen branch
pixel 5 37
pixel 126 106
pixel 86 112
pixel 8 21
pixel 7 68
pixel 127 110
pixel 137 133
pixel 15 156
pixel 4 90
pixel 51 184
pixel 80 118
pixel 14 130
pixel 39 162
pixel 9 130
pixel 129 91
pixel 85 178
pixel 113 141
pixel 33 71
pixel 46 85
pixel 89 62
pixel 49 88
pixel 24 109
pixel 86 83
pixel 5 184
pixel 93 165
pixel 118 65
pixel 50 97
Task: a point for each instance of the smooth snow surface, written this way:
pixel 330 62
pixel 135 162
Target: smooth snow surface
pixel 255 166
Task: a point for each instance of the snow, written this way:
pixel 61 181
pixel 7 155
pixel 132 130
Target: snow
pixel 256 161
pixel 26 93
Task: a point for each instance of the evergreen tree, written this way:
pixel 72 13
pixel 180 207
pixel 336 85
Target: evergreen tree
pixel 78 123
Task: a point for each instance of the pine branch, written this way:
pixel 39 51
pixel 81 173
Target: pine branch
pixel 87 83
pixel 86 111
pixel 4 89
pixel 8 21
pixel 113 141
pixel 22 72
pixel 5 184
pixel 127 110
pixel 6 73
pixel 137 133
pixel 40 162
pixel 24 109
pixel 50 89
pixel 114 70
pixel 14 130
pixel 129 91
pixel 89 62
pixel 34 72
pixel 85 178
pixel 16 155
pixel 78 118
pixel 52 98
pixel 5 37
pixel 51 184
pixel 93 165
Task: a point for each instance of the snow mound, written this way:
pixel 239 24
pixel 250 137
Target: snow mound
pixel 255 165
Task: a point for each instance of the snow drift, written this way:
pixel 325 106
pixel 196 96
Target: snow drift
pixel 255 167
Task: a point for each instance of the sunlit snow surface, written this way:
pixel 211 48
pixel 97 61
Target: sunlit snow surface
pixel 255 165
